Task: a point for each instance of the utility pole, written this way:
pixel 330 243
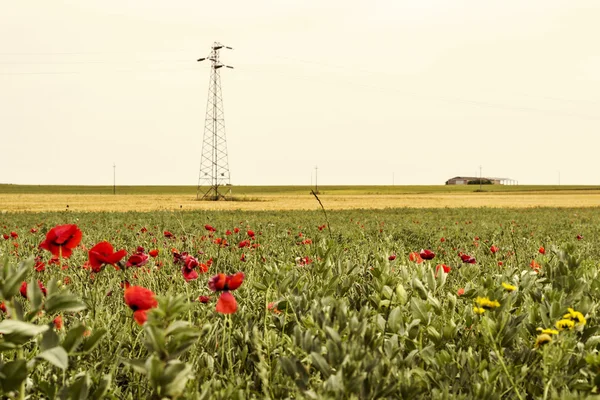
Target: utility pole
pixel 214 166
pixel 480 177
pixel 114 178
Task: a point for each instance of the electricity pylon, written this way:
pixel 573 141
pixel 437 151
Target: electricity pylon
pixel 214 166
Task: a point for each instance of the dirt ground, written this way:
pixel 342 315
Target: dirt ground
pixel 87 202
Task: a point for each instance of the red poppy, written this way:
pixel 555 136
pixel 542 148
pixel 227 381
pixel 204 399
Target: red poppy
pixel 14 234
pixel 153 253
pixel 250 233
pixel 168 234
pixel 23 289
pixel 467 259
pixel 209 228
pixel 243 258
pixel 392 257
pixel 3 307
pixel 226 303
pixel 39 266
pixel 236 230
pixel 415 257
pixel 103 253
pixel 244 243
pixel 58 322
pixel 140 300
pixel 460 291
pixel 5 236
pixel 494 249
pixel 137 260
pixel 61 239
pixel 33 230
pixel 534 265
pixel 443 239
pixel 579 237
pixel 203 299
pixel 427 254
pixel 444 267
pixel 222 282
pixel 542 250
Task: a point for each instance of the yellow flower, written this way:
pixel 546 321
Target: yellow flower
pixel 478 310
pixel 486 303
pixel 576 317
pixel 565 324
pixel 542 340
pixel 547 331
pixel 509 287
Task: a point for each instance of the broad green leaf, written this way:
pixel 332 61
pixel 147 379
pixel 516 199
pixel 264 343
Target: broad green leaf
pixel 321 364
pixel 102 388
pixel 395 319
pixel 73 338
pixel 34 295
pixel 175 376
pixel 80 389
pixel 13 283
pixel 11 326
pixel 64 302
pixel 333 334
pixel 14 373
pixel 56 356
pixel 136 365
pixel 49 340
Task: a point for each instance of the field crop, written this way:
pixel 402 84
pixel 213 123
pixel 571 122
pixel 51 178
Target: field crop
pixel 20 198
pixel 361 304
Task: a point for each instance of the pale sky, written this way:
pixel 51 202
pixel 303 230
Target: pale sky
pixel 409 91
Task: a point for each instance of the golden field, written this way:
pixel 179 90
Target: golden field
pixel 42 202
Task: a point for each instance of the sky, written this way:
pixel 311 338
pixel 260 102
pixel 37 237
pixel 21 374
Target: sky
pixel 373 92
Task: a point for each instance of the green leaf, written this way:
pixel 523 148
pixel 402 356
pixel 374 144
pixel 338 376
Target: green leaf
pixel 13 283
pixel 155 339
pixel 64 302
pixel 102 387
pixel 13 373
pixel 11 326
pixel 321 364
pixel 288 367
pixel 73 338
pixel 56 356
pixel 80 389
pixel 34 294
pixel 333 334
pixel 93 340
pixel 154 368
pixel 175 376
pixel 136 365
pixel 49 340
pixel 395 319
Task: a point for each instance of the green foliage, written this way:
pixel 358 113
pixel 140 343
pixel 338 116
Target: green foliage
pixel 329 318
pixel 166 338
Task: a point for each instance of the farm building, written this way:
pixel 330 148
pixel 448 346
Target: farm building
pixel 466 180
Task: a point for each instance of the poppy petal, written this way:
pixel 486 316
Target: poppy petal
pixel 226 303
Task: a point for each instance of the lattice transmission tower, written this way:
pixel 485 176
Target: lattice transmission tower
pixel 214 166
